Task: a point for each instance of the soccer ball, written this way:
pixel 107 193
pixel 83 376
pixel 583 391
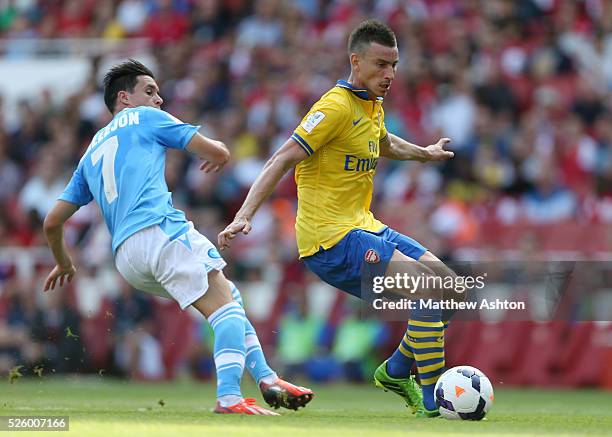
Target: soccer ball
pixel 464 393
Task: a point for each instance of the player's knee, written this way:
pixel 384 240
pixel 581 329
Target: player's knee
pixel 450 280
pixel 217 295
pixel 415 279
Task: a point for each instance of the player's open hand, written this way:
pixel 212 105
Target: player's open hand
pixel 208 167
pixel 240 224
pixel 64 274
pixel 437 152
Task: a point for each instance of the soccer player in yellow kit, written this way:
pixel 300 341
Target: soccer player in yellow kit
pixel 335 151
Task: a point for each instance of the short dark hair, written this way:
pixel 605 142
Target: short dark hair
pixel 370 31
pixel 122 77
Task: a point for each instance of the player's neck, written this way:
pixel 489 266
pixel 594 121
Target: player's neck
pixel 120 107
pixel 356 83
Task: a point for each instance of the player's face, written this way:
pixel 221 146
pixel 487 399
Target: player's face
pixel 375 68
pixel 146 93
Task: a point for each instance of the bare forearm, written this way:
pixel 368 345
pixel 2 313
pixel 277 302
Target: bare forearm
pixel 54 232
pixel 289 155
pixel 265 184
pixel 208 149
pixel 55 239
pixel 402 150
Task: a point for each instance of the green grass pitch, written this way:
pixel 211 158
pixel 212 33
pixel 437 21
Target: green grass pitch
pixel 106 407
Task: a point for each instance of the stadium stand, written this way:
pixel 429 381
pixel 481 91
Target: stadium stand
pixel 523 89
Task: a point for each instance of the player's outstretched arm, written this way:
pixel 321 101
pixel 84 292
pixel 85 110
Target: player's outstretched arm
pixel 285 158
pixel 54 232
pixel 394 147
pixel 213 152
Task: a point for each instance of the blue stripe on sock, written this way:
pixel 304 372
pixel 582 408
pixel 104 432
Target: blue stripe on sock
pixel 229 366
pixel 426 315
pixel 228 315
pixel 233 307
pixel 426 375
pixel 426 339
pixel 427 350
pixel 228 350
pixel 423 363
pixel 237 310
pixel 233 310
pixel 412 327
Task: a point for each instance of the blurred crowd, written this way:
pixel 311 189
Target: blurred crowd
pixel 523 89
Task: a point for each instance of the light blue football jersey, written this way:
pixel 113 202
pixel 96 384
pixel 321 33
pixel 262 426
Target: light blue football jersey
pixel 123 169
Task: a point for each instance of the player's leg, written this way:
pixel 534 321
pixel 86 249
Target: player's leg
pixel 402 360
pixel 441 269
pixel 227 319
pixel 431 364
pixel 188 268
pixel 256 363
pixel 423 342
pixel 276 392
pixel 361 253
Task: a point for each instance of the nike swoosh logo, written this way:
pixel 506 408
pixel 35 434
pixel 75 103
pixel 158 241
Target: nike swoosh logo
pixel 357 121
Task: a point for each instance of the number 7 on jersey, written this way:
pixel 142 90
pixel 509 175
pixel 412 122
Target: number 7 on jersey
pixel 107 152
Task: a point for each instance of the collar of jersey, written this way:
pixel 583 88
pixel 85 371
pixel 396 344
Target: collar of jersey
pixel 359 92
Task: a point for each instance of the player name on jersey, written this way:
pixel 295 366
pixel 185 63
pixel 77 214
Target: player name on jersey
pixel 122 119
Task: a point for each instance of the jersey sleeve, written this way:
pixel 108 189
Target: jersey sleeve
pixel 324 121
pixel 77 191
pixel 169 130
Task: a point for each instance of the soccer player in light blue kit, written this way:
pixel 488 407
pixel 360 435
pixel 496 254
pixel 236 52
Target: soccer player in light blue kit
pixel 155 248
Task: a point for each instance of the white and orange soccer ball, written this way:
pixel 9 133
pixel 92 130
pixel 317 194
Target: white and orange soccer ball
pixel 464 393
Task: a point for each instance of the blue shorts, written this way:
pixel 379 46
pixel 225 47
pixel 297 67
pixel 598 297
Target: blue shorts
pixel 342 265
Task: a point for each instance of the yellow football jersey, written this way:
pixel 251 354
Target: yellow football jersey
pixel 341 135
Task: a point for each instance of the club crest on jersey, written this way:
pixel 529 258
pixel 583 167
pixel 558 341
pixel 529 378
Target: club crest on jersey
pixel 214 253
pixel 372 257
pixel 312 121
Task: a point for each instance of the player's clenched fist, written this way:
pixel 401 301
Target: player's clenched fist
pixel 240 224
